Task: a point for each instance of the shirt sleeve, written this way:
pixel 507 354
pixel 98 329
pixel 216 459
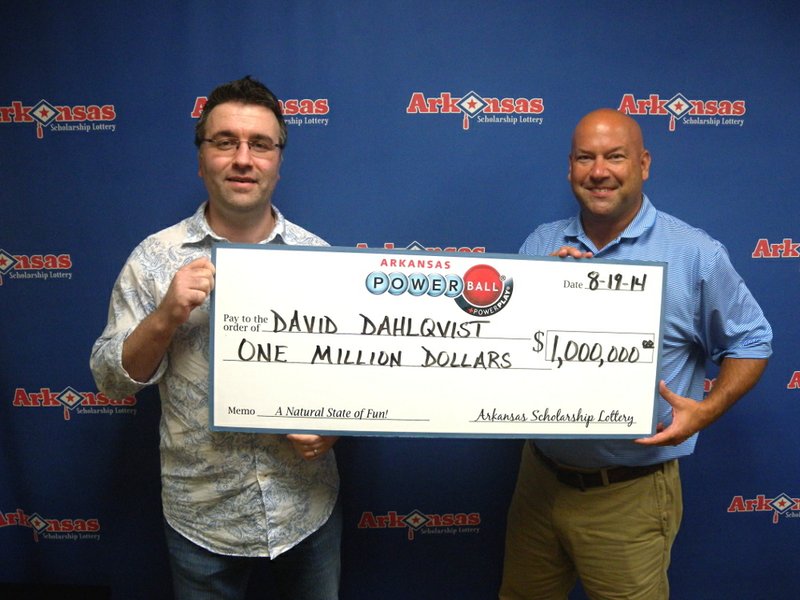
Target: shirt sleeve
pixel 733 323
pixel 131 301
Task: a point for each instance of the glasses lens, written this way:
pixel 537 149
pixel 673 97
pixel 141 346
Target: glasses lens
pixel 223 144
pixel 260 146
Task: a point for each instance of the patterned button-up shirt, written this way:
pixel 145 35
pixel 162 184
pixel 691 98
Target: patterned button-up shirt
pixel 237 493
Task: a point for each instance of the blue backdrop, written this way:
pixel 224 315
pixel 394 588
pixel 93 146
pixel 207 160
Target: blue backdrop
pixel 97 109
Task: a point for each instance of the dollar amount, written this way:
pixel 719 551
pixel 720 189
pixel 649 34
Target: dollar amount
pixel 601 348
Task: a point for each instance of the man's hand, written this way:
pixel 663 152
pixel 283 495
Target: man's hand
pixel 145 347
pixel 311 446
pixel 736 377
pixel 688 417
pixel 569 251
pixel 189 288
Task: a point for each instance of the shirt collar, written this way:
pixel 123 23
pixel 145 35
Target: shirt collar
pixel 643 220
pixel 198 229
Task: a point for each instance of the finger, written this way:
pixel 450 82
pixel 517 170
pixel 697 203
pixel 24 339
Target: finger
pixel 202 262
pixel 303 438
pixel 659 439
pixel 202 279
pixel 569 251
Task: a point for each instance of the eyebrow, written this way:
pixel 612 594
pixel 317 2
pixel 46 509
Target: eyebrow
pixel 228 133
pixel 612 150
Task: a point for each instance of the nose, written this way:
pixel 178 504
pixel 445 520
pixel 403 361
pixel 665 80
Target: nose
pixel 599 168
pixel 243 156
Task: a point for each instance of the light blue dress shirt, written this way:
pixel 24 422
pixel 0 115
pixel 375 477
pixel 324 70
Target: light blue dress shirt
pixel 708 313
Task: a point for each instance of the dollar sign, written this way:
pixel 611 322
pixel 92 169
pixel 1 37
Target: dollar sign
pixel 537 341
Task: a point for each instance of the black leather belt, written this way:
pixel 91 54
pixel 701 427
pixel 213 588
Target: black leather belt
pixel 583 480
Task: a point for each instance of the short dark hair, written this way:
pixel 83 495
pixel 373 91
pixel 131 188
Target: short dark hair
pixel 245 91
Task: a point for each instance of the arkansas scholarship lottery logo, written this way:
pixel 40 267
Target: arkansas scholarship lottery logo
pixel 70 400
pixel 41 267
pixel 726 113
pixel 419 523
pixel 481 109
pixel 794 381
pixel 415 245
pixel 48 527
pixel 786 248
pixel 782 505
pixel 296 111
pixel 86 118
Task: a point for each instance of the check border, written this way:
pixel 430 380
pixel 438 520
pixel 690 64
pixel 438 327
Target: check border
pixel 332 381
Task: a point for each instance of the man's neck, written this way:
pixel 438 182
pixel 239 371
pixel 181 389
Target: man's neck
pixel 242 228
pixel 604 231
pixel 602 234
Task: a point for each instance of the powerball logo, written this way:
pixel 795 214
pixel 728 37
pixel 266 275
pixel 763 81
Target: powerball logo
pixel 57 117
pixel 727 113
pixel 481 291
pixel 296 111
pixel 483 109
pixel 418 522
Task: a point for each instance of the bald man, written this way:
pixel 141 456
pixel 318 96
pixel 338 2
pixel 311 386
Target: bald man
pixel 608 510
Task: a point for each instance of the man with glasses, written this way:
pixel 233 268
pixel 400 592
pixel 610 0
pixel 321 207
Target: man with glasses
pixel 228 498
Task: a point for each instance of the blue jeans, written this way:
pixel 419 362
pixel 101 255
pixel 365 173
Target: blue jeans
pixel 309 571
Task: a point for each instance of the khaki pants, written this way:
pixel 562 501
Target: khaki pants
pixel 616 538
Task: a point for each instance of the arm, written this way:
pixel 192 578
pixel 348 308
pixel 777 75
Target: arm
pixel 736 377
pixel 147 344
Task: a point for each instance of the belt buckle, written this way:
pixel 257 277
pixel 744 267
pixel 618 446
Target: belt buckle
pixel 604 477
pixel 572 479
pixel 580 478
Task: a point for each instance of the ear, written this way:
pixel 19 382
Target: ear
pixel 645 164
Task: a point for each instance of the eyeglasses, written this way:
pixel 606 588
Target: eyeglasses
pixel 258 147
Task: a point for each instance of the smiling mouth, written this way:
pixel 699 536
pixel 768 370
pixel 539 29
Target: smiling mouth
pixel 600 191
pixel 241 184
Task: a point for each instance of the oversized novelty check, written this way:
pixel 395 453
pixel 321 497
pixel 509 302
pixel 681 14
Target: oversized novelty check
pixel 364 342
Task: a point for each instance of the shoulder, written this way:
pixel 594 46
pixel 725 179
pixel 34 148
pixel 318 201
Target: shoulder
pixel 547 237
pixel 690 251
pixel 169 236
pixel 167 249
pixel 686 238
pixel 295 235
pixel 675 226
